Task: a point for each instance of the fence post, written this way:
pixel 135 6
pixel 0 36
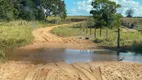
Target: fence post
pixel 118 39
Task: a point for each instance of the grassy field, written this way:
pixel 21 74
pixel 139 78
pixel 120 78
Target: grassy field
pixel 132 20
pixel 69 19
pixel 137 21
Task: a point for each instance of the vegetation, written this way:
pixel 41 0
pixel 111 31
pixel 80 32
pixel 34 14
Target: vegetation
pixel 14 34
pixel 68 31
pixel 31 9
pixel 137 46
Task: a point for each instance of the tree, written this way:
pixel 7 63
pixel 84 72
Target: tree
pixel 99 22
pixel 90 23
pixel 62 10
pixel 104 12
pixel 31 9
pixel 7 10
pixel 54 8
pixel 129 13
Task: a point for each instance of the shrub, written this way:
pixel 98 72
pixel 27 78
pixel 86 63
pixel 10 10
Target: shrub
pixel 98 40
pixel 137 46
pixel 54 20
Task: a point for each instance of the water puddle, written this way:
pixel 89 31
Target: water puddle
pixel 72 55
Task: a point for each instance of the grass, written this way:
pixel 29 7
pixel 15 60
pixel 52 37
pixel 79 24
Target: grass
pixel 14 34
pixel 140 26
pixel 68 31
pixel 127 38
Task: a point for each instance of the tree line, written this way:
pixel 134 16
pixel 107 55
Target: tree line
pixel 31 9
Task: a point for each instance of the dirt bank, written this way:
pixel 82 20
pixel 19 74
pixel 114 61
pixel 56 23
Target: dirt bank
pixel 45 39
pixel 77 71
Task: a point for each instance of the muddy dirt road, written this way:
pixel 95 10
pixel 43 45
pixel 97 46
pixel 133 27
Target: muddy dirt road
pixel 45 39
pixel 77 71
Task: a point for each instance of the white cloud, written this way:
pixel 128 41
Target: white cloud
pixel 84 7
pixel 130 4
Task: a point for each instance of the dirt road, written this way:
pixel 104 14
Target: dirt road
pixel 45 39
pixel 77 71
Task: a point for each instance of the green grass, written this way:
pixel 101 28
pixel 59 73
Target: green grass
pixel 140 26
pixel 127 38
pixel 126 42
pixel 14 34
pixel 68 31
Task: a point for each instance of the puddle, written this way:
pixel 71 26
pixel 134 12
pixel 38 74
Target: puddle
pixel 72 55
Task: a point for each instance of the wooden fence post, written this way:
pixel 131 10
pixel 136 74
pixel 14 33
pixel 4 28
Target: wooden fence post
pixel 118 39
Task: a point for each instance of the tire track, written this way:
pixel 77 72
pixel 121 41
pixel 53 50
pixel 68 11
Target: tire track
pixel 77 71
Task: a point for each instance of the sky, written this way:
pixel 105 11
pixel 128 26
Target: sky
pixel 83 7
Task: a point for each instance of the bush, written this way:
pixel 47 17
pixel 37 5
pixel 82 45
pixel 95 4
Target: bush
pixel 98 40
pixel 90 22
pixel 54 20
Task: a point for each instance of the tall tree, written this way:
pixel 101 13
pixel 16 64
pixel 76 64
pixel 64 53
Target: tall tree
pixel 104 12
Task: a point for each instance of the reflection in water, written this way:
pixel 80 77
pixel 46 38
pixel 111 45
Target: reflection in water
pixel 118 57
pixel 71 55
